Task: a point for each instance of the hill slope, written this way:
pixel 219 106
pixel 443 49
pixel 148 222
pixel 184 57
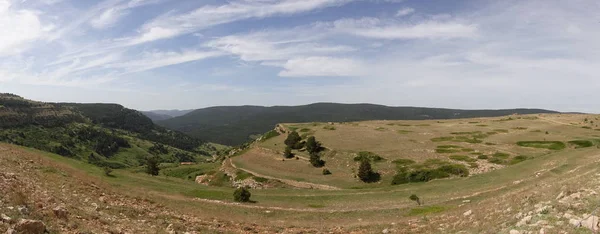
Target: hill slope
pixel 103 134
pixel 233 125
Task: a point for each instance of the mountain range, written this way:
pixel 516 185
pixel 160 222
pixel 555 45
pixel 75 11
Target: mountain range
pixel 234 125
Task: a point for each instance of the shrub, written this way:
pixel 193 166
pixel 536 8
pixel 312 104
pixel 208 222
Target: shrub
pixel 366 155
pixel 326 171
pixel 581 143
pixel 415 198
pixel 287 153
pixel 463 158
pixel 366 173
pixel 292 139
pixel 241 195
pixel 107 171
pixel 482 157
pixel 152 166
pixel 518 159
pixel 400 178
pixel 496 161
pixel 551 145
pixel 501 155
pixel 315 160
pixel 455 169
pixel 312 145
pixel 329 128
pixel 403 162
pixel 269 135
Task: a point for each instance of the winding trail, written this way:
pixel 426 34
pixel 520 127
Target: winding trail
pixel 293 183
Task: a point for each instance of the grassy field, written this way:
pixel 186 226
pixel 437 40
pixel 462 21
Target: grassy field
pixel 373 207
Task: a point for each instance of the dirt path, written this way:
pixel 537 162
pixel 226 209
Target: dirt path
pixel 294 183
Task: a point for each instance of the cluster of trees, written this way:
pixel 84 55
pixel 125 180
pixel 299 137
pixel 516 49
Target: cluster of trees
pixel 312 146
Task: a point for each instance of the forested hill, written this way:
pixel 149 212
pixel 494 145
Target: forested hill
pixel 233 125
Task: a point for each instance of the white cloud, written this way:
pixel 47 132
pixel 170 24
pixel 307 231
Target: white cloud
pixel 108 18
pixel 322 66
pixel 405 11
pixel 208 16
pixel 20 28
pixel 153 60
pixel 375 28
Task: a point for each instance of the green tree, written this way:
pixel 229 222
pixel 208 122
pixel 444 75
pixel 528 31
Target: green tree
pixel 312 145
pixel 241 195
pixel 315 160
pixel 293 139
pixel 152 166
pixel 415 198
pixel 287 153
pixel 366 173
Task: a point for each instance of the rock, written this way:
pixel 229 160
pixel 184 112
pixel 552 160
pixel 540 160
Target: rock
pixel 102 199
pixel 519 215
pixel 560 195
pixel 590 223
pixel 575 222
pixel 5 218
pixel 23 210
pixel 469 212
pixel 542 231
pixel 524 221
pixel 60 212
pixel 10 231
pixel 570 216
pixel 170 229
pixel 385 231
pixel 514 232
pixel 95 206
pixel 30 226
pixel 466 201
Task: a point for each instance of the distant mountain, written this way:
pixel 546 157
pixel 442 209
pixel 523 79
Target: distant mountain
pixel 155 116
pixel 233 125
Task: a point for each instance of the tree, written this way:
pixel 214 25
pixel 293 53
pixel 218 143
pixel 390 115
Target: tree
pixel 315 160
pixel 366 173
pixel 287 153
pixel 293 139
pixel 241 195
pixel 312 145
pixel 415 198
pixel 152 166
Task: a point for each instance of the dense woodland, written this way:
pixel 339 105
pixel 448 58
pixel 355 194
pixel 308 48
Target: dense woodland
pixel 94 132
pixel 233 125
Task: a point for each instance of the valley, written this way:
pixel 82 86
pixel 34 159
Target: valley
pixel 525 173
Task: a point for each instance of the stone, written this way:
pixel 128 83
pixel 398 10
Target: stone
pixel 23 210
pixel 61 212
pixel 466 201
pixel 590 223
pixel 524 221
pixel 5 218
pixel 30 226
pixel 560 195
pixel 385 231
pixel 575 222
pixel 10 231
pixel 469 212
pixel 514 232
pixel 170 229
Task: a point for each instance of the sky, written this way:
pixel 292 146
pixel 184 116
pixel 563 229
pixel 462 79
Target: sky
pixel 187 54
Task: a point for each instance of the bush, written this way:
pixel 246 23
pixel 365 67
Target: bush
pixel 415 198
pixel 482 157
pixel 152 166
pixel 366 173
pixel 326 171
pixel 366 155
pixel 241 195
pixel 293 139
pixel 518 159
pixel 551 145
pixel 287 153
pixel 496 161
pixel 315 160
pixel 501 155
pixel 107 171
pixel 463 158
pixel 581 143
pixel 455 169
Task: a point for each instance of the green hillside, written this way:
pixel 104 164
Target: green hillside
pixel 234 125
pixel 102 134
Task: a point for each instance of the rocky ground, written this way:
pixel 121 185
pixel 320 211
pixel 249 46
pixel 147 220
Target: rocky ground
pixel 40 196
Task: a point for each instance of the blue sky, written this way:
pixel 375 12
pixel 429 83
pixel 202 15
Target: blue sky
pixel 169 54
